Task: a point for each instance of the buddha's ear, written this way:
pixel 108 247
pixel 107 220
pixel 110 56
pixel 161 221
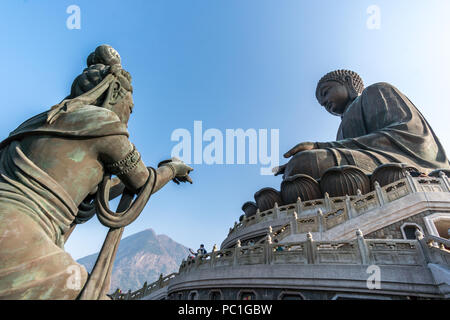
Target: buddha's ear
pixel 351 88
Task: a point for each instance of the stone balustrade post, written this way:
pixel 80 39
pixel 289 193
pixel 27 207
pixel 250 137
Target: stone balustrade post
pixel 349 207
pixel 237 250
pixel 444 180
pixel 359 193
pixel 310 250
pixel 328 205
pixel 299 205
pixel 276 211
pixel 213 256
pixel 423 246
pixel 268 250
pixel 144 289
pixel 381 198
pixel 362 247
pixel 411 182
pixel 321 221
pixel 293 223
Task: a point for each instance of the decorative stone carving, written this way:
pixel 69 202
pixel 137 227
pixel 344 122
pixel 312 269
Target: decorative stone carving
pixel 391 172
pixel 249 208
pixel 266 198
pixel 300 185
pixel 344 180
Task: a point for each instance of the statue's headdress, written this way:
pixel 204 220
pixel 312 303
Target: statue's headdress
pixel 341 76
pixel 104 68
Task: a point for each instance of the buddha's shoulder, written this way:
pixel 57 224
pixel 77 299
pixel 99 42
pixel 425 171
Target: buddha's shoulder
pixel 379 86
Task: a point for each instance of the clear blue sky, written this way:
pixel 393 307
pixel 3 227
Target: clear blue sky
pixel 229 63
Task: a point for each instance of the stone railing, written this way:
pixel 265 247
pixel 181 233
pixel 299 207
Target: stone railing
pixel 361 251
pixel 323 214
pixel 358 251
pixel 436 250
pixel 145 290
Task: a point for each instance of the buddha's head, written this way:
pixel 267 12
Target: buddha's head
pixel 337 89
pixel 118 96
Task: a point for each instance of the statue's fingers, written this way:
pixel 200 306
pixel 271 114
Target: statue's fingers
pixel 189 179
pixel 288 154
pixel 175 180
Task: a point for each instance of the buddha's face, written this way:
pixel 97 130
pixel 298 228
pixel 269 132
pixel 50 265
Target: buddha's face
pixel 334 96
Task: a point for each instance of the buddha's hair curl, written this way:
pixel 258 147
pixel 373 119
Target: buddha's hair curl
pixel 103 61
pixel 340 76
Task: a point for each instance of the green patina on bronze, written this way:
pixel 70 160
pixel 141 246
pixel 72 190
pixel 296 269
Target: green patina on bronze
pixel 54 166
pixel 77 155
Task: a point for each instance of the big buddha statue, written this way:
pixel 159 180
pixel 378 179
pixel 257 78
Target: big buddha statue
pixel 379 125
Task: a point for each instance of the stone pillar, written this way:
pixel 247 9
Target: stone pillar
pixel 411 182
pixel 213 256
pixel 144 289
pixel 276 211
pixel 379 194
pixel 444 180
pixel 327 202
pixel 423 246
pixel 299 205
pixel 321 221
pixel 362 247
pixel 237 249
pixel 294 225
pixel 268 250
pixel 310 250
pixel 349 207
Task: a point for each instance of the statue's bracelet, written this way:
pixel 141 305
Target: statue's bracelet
pixel 171 168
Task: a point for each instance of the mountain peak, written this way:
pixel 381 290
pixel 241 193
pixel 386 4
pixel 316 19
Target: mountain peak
pixel 141 257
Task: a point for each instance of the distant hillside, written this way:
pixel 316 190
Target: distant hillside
pixel 142 257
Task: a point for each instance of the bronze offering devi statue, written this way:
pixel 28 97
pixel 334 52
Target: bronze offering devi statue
pixel 55 172
pixel 379 125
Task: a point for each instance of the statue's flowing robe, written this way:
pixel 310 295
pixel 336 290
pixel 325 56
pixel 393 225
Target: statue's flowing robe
pixel 380 126
pixel 36 212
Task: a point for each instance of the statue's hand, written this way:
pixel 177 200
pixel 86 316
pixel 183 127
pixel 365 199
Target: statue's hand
pixel 304 146
pixel 279 170
pixel 180 169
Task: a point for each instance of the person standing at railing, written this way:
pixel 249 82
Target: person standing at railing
pixel 201 250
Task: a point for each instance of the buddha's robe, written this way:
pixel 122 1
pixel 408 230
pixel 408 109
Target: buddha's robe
pixel 380 126
pixel 36 212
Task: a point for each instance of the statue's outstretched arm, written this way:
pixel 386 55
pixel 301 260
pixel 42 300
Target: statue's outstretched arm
pixel 120 157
